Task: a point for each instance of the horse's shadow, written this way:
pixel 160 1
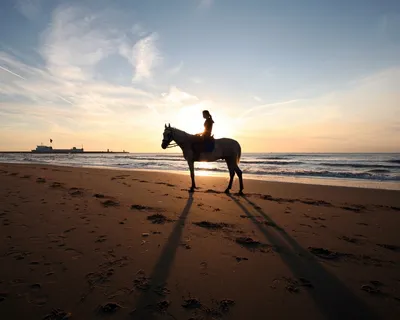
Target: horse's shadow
pixel 147 303
pixel 333 299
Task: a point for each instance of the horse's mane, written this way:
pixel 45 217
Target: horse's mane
pixel 181 131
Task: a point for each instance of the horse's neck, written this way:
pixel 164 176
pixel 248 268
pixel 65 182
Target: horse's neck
pixel 181 137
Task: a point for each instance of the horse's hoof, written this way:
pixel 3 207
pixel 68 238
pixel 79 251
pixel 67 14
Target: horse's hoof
pixel 241 193
pixel 191 190
pixel 227 191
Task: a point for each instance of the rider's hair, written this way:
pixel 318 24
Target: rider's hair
pixel 207 113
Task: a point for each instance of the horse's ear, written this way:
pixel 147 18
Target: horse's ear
pixel 165 126
pixel 169 126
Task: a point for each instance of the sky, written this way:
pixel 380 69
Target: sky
pixel 278 76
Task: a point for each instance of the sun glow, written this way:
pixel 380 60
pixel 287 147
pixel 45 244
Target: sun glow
pixel 190 119
pixel 204 168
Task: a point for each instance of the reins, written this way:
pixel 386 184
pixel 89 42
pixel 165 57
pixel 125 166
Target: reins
pixel 173 145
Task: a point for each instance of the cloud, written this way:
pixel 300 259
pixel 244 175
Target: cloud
pixel 29 8
pixel 13 73
pixel 29 89
pixel 90 98
pixel 389 26
pixel 176 96
pixel 205 3
pixel 361 118
pixel 176 69
pixel 138 29
pixel 36 100
pixel 71 92
pixel 75 42
pixel 264 106
pixel 196 80
pixel 258 99
pixel 145 57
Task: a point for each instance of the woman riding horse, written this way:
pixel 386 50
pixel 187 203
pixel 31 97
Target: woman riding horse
pixel 208 124
pixel 199 145
pixel 224 148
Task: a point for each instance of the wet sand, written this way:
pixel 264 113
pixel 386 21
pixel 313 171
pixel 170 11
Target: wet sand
pixel 85 243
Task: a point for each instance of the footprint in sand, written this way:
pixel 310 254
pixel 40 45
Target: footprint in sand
pixel 56 185
pixel 158 218
pixel 110 203
pixel 101 238
pixel 162 290
pixel 349 239
pixel 58 314
pixel 140 207
pixel 239 259
pixel 3 296
pixel 76 254
pixel 166 184
pixel 354 208
pixel 109 307
pixel 142 282
pixel 36 296
pixel 120 177
pixel 293 285
pixel 391 247
pixel 325 253
pixel 249 243
pixel 99 195
pixel 212 225
pixel 305 225
pixel 372 288
pixel 75 192
pixel 191 303
pixel 186 244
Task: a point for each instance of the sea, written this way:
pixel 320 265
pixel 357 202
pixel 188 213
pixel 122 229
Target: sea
pixel 372 170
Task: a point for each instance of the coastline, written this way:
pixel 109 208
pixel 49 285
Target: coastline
pixel 76 239
pixel 322 181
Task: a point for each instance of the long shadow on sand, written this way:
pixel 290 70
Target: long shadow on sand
pixel 146 305
pixel 333 298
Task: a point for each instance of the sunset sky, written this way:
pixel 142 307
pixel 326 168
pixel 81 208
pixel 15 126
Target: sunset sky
pixel 278 76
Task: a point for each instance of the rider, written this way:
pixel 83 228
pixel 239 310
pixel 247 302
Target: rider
pixel 208 124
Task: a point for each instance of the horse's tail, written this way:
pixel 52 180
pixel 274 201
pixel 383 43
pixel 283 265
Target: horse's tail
pixel 239 154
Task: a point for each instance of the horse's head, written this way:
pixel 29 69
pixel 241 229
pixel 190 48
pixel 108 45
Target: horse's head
pixel 167 136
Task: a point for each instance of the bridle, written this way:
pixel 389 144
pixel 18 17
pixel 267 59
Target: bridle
pixel 173 145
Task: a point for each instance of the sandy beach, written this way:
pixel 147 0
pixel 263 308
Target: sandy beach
pixel 86 243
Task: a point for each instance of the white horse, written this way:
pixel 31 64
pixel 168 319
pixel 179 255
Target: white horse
pixel 226 149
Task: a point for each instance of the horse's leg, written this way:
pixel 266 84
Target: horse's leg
pixel 231 174
pixel 191 167
pixel 239 174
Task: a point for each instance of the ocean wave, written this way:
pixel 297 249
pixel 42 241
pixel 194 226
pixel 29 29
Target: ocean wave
pixel 394 161
pixel 358 165
pixel 334 174
pixel 379 171
pixel 283 163
pixel 318 174
pixel 273 158
pixel 180 158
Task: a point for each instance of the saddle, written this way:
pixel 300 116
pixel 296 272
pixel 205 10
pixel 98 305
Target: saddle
pixel 203 144
pixel 209 144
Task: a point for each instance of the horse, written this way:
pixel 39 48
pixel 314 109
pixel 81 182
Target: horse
pixel 224 148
